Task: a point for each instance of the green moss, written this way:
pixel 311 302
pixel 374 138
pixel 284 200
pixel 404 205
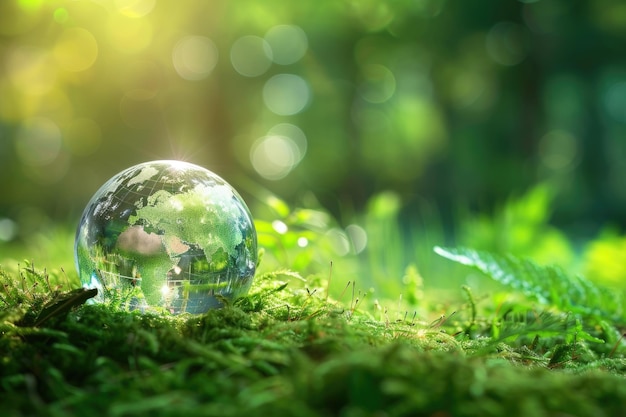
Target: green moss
pixel 287 350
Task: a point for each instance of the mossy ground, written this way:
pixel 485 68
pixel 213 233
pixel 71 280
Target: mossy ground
pixel 286 349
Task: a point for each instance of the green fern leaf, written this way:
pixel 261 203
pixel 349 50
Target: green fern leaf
pixel 549 285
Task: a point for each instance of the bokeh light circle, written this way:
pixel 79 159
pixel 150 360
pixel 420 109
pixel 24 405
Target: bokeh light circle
pixel 507 43
pixel 338 241
pixel 251 56
pixel 358 237
pixel 61 15
pixel 289 43
pixel 76 49
pixel 286 94
pixel 8 229
pixel 379 83
pixel 195 57
pixel 558 150
pixel 273 157
pixel 294 133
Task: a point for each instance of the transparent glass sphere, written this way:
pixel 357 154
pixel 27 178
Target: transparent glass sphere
pixel 166 236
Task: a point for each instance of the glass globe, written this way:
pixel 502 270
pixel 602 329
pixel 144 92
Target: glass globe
pixel 166 236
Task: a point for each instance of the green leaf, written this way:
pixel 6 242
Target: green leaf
pixel 279 206
pixel 549 285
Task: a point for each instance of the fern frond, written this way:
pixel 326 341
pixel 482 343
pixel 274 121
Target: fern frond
pixel 549 285
pixel 544 325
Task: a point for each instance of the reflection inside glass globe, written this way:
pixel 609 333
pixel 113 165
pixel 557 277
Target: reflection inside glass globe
pixel 166 236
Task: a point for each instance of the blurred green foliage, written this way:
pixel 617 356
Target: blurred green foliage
pixel 450 101
pixel 521 226
pixel 394 126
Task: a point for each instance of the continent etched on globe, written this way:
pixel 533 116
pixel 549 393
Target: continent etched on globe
pixel 166 236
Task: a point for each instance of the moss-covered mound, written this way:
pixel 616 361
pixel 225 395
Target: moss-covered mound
pixel 283 352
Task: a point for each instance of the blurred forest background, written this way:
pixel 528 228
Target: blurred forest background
pixel 439 109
